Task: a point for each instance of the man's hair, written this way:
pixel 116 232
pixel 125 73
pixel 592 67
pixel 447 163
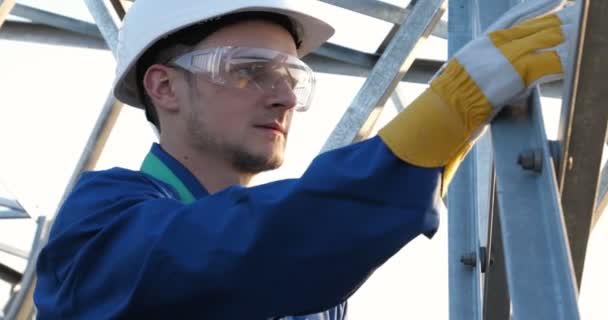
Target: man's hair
pixel 185 39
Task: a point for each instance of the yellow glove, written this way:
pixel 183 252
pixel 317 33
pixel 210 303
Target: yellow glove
pixel 440 126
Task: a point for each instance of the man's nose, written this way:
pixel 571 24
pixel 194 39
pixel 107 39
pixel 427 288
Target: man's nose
pixel 282 95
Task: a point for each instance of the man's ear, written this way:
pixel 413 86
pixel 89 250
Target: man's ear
pixel 159 87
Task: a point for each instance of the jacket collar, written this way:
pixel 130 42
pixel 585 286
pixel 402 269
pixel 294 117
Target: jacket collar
pixel 162 166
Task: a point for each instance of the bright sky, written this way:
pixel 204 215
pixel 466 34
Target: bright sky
pixel 53 94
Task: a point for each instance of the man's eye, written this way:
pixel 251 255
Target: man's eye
pixel 289 78
pixel 241 77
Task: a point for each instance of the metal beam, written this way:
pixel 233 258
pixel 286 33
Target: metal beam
pixel 441 30
pixel 9 275
pixel 367 60
pixel 329 55
pixel 56 20
pixel 583 129
pixel 13 251
pixel 469 197
pixel 11 204
pixel 5 9
pixel 96 142
pixel 112 107
pixel 373 8
pixel 12 214
pixel 540 277
pixel 104 22
pixel 601 201
pixel 387 39
pixel 22 303
pixel 329 58
pixel 118 8
pixel 383 11
pixel 388 71
pixel 13 210
pixel 464 280
pixel 496 301
pixel 386 12
pixel 344 54
pixel 421 71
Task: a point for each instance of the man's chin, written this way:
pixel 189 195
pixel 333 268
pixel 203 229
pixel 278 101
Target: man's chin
pixel 272 162
pixel 257 163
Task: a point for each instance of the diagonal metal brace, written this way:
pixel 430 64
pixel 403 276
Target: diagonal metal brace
pixel 359 118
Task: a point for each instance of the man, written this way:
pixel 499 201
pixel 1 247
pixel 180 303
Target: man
pixel 185 237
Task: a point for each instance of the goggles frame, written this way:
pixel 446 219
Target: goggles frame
pixel 244 67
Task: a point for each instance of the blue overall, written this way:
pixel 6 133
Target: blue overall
pixel 153 244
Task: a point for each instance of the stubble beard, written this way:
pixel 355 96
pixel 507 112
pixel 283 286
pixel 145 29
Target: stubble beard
pixel 236 155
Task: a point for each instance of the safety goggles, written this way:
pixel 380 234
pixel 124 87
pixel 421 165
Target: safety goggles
pixel 261 70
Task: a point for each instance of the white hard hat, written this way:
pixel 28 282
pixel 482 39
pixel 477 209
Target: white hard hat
pixel 148 21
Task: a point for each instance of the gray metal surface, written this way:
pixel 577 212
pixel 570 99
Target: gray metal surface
pixel 385 11
pixel 12 214
pixel 470 191
pixel 388 71
pixel 96 142
pixel 329 58
pixel 421 70
pixel 331 53
pixel 373 8
pixel 11 204
pixel 14 251
pixel 601 201
pixel 539 271
pixel 463 194
pixel 118 8
pixel 335 59
pixel 344 54
pixel 22 304
pixel 5 8
pixel 105 22
pixel 9 275
pixel 495 298
pixel 583 130
pixel 496 301
pixel 464 280
pixel 11 209
pixel 111 109
pixel 55 20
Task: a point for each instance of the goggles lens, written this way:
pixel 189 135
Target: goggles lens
pixel 262 70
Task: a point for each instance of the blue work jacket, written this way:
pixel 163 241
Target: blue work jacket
pixel 153 244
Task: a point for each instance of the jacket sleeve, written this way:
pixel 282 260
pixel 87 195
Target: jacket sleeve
pixel 120 248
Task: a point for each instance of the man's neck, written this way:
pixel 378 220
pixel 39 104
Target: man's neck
pixel 213 173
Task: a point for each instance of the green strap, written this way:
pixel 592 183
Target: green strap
pixel 153 166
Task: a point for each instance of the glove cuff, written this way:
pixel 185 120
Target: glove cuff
pixel 440 122
pixel 438 128
pixel 460 92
